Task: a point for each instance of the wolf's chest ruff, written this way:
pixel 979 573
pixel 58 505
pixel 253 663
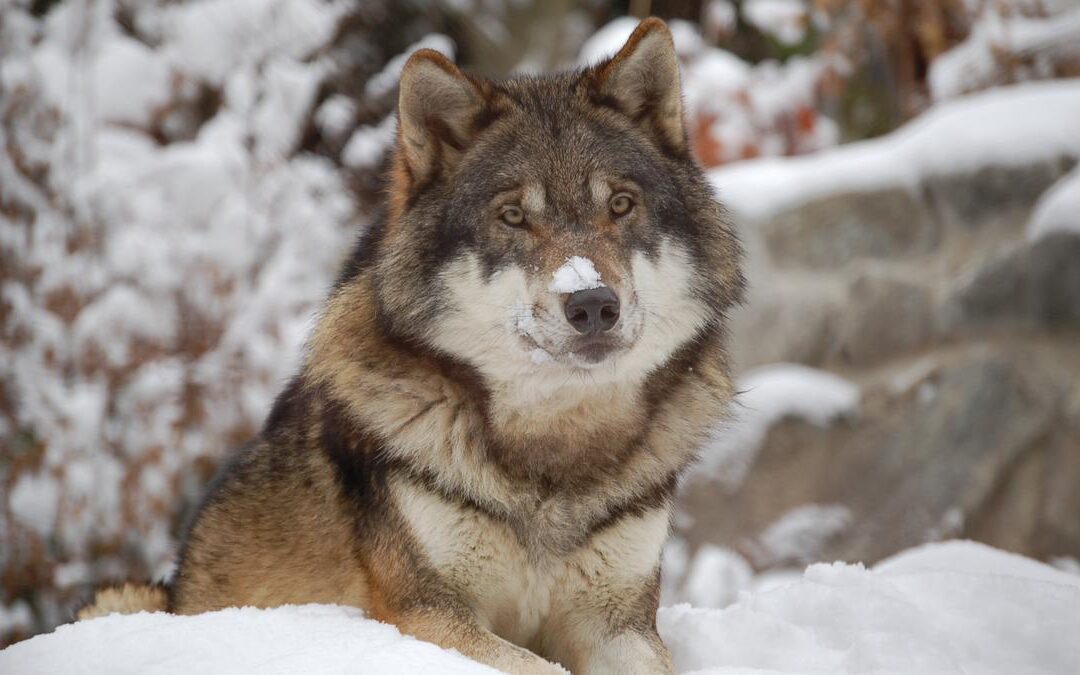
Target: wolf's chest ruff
pixel 522 588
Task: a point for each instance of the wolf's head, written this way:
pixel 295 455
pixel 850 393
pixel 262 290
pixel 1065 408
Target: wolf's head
pixel 552 229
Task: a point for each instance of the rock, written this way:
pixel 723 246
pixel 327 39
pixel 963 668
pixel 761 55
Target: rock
pixel 994 196
pixel 862 318
pixel 1036 507
pixel 884 316
pixel 831 231
pixel 929 458
pixel 964 337
pixel 1033 284
pixel 786 322
pixel 901 221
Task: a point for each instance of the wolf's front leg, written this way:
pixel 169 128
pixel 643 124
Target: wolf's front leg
pixel 603 616
pixel 593 646
pixel 609 628
pixel 451 630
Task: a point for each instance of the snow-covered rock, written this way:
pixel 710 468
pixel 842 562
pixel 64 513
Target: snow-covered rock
pixel 768 395
pixel 1058 209
pixel 957 607
pixel 1010 126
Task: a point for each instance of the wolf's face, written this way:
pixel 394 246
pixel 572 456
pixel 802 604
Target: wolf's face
pixel 547 230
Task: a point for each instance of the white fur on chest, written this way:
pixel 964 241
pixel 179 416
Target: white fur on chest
pixel 516 595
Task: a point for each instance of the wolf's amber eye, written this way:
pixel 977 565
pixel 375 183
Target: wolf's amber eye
pixel 512 216
pixel 621 204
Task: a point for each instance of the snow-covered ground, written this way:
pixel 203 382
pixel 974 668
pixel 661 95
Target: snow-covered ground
pixel 955 607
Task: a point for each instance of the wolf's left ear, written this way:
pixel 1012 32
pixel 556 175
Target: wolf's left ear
pixel 642 81
pixel 438 110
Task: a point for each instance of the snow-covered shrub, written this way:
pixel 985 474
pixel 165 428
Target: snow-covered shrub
pixel 166 235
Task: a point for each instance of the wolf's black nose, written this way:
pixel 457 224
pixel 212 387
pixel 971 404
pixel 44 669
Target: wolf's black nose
pixel 593 311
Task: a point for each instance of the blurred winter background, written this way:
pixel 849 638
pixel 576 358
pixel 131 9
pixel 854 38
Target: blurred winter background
pixel 179 181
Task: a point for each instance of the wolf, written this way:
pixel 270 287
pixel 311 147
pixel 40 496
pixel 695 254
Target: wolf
pixel 515 366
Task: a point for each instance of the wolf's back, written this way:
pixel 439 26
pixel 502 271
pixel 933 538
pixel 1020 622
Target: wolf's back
pixel 126 599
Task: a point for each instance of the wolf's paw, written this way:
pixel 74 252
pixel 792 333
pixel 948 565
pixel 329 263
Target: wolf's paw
pixel 542 667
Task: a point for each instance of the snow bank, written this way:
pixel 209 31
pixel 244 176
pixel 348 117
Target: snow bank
pixel 972 557
pixel 306 639
pixel 1011 126
pixel 716 576
pixel 767 395
pixel 955 607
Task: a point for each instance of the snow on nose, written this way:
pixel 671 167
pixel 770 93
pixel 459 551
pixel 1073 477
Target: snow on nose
pixel 576 274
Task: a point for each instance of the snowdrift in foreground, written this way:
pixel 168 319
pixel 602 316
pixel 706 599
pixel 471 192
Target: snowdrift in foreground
pixel 957 607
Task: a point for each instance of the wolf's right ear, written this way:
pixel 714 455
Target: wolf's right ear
pixel 438 110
